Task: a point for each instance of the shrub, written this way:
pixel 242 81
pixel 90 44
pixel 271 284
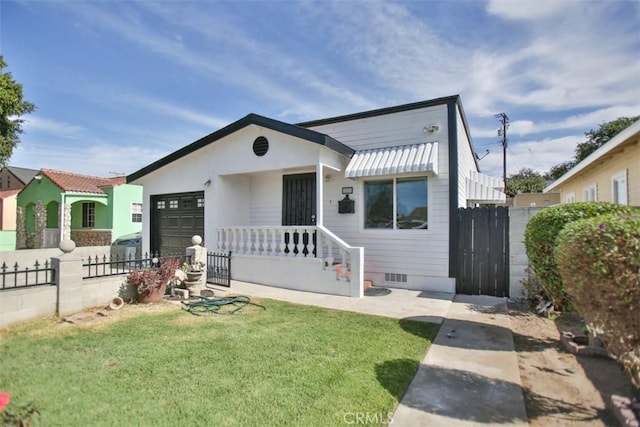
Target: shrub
pixel 150 280
pixel 599 262
pixel 540 239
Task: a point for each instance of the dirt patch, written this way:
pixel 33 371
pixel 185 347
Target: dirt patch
pixel 561 388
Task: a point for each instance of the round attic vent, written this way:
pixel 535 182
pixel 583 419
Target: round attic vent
pixel 260 146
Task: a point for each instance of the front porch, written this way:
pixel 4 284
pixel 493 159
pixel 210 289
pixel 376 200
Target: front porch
pixel 306 258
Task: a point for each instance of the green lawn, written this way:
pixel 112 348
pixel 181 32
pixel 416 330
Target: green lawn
pixel 159 365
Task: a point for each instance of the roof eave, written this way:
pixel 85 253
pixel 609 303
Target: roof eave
pixel 613 143
pixel 250 119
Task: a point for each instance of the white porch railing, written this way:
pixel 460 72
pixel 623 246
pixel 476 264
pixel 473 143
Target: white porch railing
pixel 296 241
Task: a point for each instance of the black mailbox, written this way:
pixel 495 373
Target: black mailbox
pixel 346 205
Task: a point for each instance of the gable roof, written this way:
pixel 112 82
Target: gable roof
pixel 68 181
pixel 23 174
pixel 250 119
pixel 384 111
pixel 445 100
pixel 613 143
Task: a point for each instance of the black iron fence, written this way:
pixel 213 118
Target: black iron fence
pixel 113 265
pixel 219 269
pixel 43 274
pixel 14 277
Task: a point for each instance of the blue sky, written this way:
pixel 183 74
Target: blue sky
pixel 120 84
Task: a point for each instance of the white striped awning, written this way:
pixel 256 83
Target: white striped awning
pixel 394 160
pixel 483 188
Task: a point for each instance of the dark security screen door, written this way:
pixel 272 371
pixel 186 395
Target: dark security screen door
pixel 299 199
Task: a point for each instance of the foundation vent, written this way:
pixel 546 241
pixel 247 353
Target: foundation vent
pixel 395 277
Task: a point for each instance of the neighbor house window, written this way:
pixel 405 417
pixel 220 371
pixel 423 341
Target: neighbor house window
pixel 571 197
pixel 399 203
pixel 619 188
pixel 589 193
pixel 136 212
pixel 88 215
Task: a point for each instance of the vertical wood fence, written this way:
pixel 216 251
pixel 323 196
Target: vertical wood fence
pixel 483 245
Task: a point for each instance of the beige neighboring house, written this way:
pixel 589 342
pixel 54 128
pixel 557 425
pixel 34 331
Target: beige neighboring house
pixel 609 174
pixel 533 200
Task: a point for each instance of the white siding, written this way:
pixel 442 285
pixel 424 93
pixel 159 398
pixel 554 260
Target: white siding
pixel 421 254
pixel 266 199
pixel 401 128
pixel 466 162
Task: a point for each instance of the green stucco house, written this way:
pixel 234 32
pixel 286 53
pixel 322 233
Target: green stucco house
pixel 89 210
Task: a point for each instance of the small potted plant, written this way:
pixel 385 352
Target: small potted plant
pixel 151 283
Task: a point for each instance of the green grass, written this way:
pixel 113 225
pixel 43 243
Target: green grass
pixel 286 365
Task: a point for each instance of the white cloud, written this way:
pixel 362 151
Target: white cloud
pixel 173 111
pixel 525 10
pixel 90 159
pixel 227 55
pixel 54 127
pixel 582 122
pixel 538 155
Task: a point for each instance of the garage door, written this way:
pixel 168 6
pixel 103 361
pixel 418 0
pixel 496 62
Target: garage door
pixel 175 219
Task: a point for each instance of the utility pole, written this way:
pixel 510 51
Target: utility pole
pixel 504 120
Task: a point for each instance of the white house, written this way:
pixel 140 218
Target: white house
pixel 368 196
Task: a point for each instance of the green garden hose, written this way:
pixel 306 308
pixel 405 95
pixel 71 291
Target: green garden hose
pixel 224 305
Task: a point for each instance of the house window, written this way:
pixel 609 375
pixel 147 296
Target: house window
pixel 160 204
pixel 88 215
pixel 619 188
pixel 136 212
pixel 200 202
pixel 571 197
pixel 589 193
pixel 173 204
pixel 397 204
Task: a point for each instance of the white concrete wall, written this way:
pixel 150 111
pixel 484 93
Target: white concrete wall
pixel 519 270
pixel 302 274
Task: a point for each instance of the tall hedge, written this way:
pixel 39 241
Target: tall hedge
pixel 599 263
pixel 540 239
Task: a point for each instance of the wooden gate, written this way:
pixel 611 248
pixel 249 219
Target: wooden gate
pixel 483 251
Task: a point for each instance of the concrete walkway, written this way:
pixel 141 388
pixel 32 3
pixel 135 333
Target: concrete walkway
pixel 469 376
